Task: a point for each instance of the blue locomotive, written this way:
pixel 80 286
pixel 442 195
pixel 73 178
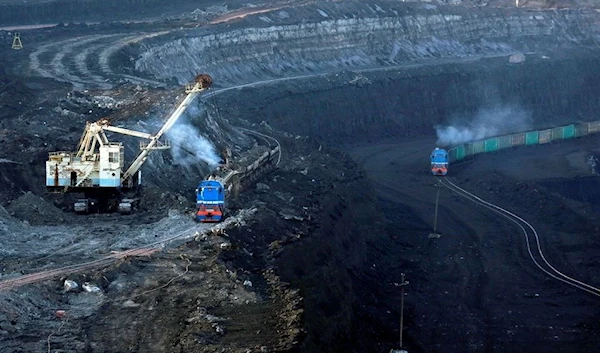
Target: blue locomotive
pixel 439 161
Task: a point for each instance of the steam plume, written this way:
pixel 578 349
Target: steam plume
pixel 189 147
pixel 486 123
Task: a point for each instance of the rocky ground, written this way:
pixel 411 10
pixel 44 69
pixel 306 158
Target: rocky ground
pixel 309 259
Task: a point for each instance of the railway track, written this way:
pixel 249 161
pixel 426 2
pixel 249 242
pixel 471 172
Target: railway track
pixel 272 142
pixel 102 262
pixel 532 238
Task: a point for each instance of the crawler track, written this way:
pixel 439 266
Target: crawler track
pixel 532 238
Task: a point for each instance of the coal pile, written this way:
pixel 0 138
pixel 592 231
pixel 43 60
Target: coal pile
pixel 35 210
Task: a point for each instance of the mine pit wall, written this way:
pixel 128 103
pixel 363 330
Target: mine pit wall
pixel 436 64
pixel 323 253
pixel 353 35
pixel 536 94
pixel 323 267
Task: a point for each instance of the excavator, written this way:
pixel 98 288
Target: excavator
pixel 96 168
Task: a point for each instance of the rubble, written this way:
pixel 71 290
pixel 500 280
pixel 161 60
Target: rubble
pixel 516 58
pixel 261 187
pixel 90 288
pixel 289 214
pixel 35 210
pixel 70 285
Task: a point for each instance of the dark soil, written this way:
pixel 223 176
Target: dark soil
pixel 475 289
pixel 316 266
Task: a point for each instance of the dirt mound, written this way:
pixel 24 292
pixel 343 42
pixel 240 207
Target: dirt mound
pixel 4 219
pixel 8 228
pixel 35 210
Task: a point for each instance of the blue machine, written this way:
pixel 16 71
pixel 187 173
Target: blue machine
pixel 210 201
pixel 439 161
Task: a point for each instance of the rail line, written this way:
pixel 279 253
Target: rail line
pixel 532 238
pixel 268 139
pixel 105 261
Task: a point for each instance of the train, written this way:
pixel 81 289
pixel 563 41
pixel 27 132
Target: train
pixel 227 181
pixel 439 162
pixel 210 201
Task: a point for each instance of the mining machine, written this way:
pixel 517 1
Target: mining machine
pixel 96 168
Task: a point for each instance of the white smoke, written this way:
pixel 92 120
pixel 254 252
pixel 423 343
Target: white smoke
pixel 487 122
pixel 189 147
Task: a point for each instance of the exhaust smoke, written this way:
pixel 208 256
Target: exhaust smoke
pixel 488 122
pixel 189 147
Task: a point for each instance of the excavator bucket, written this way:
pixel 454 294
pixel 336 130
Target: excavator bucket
pixel 204 80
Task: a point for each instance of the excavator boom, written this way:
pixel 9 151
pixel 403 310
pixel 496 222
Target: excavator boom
pixel 202 83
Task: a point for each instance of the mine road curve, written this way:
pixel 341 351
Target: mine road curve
pixel 84 61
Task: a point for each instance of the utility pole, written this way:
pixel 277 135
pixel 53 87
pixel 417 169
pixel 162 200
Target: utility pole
pixel 402 308
pixel 17 42
pixel 435 234
pixel 402 285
